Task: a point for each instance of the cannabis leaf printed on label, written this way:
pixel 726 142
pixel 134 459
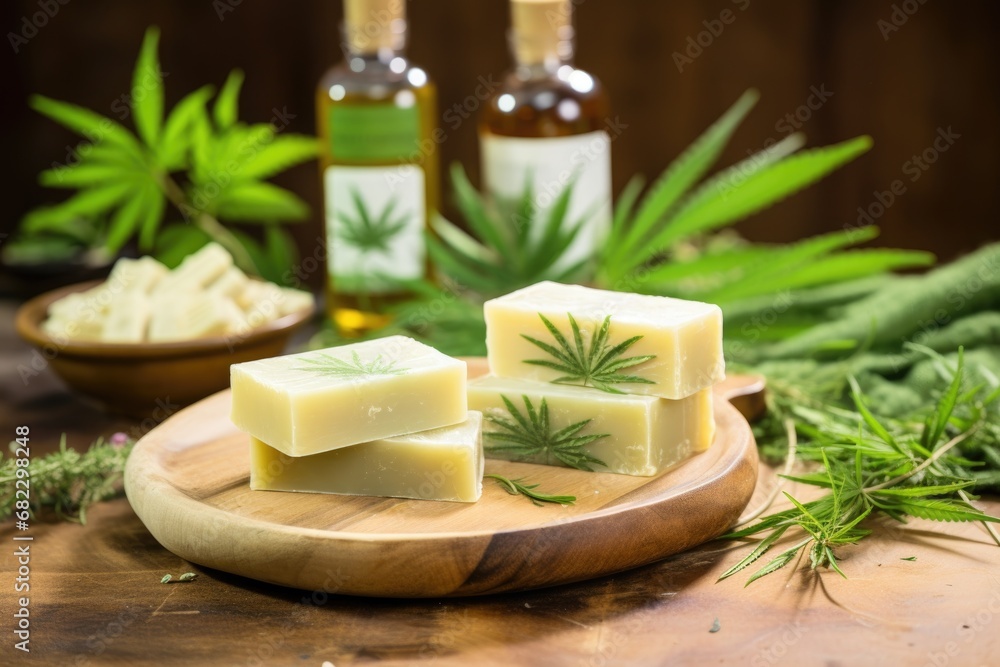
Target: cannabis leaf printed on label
pixel 529 437
pixel 598 366
pixel 369 233
pixel 351 370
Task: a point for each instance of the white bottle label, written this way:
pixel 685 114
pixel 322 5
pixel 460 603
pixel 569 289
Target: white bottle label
pixel 375 220
pixel 552 164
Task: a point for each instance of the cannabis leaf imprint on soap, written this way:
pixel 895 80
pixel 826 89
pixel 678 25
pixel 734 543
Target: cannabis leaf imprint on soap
pixel 529 436
pixel 350 370
pixel 370 233
pixel 597 366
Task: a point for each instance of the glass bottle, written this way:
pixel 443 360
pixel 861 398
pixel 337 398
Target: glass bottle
pixel 548 122
pixel 379 166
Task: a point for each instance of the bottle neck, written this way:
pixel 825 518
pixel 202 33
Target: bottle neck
pixel 374 29
pixel 541 36
pixel 366 47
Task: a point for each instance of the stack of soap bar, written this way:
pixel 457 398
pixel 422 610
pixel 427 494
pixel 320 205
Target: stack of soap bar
pixel 440 464
pixel 635 435
pixel 684 338
pixel 598 380
pixel 380 418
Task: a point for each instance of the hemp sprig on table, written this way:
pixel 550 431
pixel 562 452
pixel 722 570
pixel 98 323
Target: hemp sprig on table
pixel 68 481
pixel 876 465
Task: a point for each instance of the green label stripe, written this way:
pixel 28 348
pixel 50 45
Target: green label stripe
pixel 373 132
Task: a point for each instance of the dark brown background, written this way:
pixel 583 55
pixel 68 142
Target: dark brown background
pixel 938 70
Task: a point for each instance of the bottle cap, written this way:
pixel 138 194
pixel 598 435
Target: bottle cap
pixel 542 30
pixel 373 25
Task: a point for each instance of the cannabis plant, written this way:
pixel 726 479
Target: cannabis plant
pixel 922 465
pixel 195 167
pixel 661 242
pixel 512 244
pixel 658 244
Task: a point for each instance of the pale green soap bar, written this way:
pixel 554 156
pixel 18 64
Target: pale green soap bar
pixel 440 464
pixel 642 435
pixel 308 403
pixel 683 337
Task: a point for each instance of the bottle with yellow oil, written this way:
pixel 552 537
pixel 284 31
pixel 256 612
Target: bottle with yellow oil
pixel 548 125
pixel 379 166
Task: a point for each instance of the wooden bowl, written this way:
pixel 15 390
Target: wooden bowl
pixel 145 378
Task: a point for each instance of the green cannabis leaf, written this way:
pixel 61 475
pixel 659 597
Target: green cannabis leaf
pixel 350 370
pixel 667 241
pixel 512 244
pixel 517 487
pixel 529 437
pixel 597 365
pixel 873 465
pixel 370 233
pixel 207 166
pixel 656 244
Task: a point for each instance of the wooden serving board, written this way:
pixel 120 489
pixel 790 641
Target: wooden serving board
pixel 188 480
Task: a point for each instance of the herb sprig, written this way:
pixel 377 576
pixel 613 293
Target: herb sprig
pixel 529 436
pixel 67 481
pixel 598 365
pixel 877 465
pixel 517 487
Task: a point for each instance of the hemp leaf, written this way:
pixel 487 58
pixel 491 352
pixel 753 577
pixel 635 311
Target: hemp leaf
pixel 597 366
pixel 529 437
pixel 512 242
pixel 517 487
pixel 350 370
pixel 877 465
pixel 369 233
pixel 196 161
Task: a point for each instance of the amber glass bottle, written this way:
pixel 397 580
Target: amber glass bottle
pixel 547 123
pixel 379 168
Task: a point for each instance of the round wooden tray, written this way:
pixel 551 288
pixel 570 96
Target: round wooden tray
pixel 188 480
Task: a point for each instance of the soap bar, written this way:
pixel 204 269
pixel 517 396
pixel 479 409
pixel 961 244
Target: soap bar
pixel 439 464
pixel 136 275
pixel 316 401
pixel 675 349
pixel 231 284
pixel 190 315
pixel 197 271
pixel 127 319
pixel 556 424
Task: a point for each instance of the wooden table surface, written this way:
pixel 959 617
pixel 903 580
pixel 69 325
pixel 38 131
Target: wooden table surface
pixel 96 596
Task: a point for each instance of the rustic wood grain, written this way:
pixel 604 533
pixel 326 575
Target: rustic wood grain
pixel 189 482
pixel 97 600
pixel 96 597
